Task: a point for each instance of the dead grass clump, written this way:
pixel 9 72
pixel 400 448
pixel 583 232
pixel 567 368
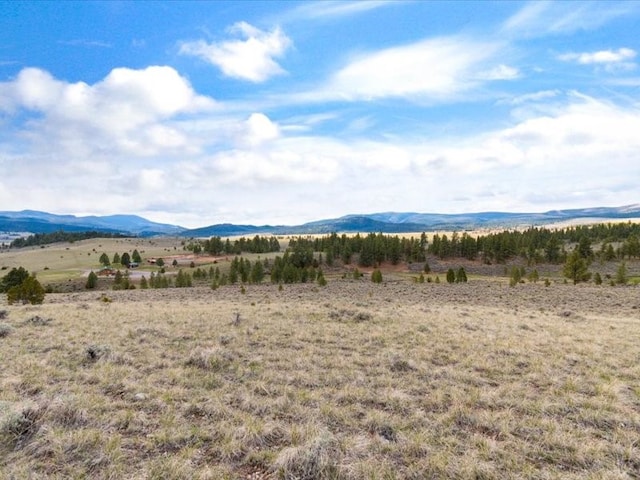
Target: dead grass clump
pixel 5 329
pixel 317 459
pixel 18 427
pixel 211 359
pixel 66 412
pixel 38 321
pixel 95 352
pixel 346 314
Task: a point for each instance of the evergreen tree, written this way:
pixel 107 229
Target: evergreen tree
pixel 621 274
pixel 376 276
pixel 29 291
pixel 320 279
pixel 461 276
pixel 92 281
pixel 143 283
pixel 125 259
pixel 116 258
pixel 584 247
pixel 257 272
pixel 14 278
pixel 104 260
pixel 160 262
pixel 451 276
pixel 576 268
pixel 135 256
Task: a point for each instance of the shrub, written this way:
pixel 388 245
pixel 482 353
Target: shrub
pixel 376 276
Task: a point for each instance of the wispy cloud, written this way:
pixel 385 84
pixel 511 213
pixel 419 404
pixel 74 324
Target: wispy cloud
pixel 252 57
pixel 86 43
pixel 434 69
pixel 540 18
pixel 332 9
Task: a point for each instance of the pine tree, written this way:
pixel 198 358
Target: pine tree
pixel 29 291
pixel 451 276
pixel 135 256
pixel 621 274
pixel 575 268
pixel 376 276
pixel 92 281
pixel 461 276
pixel 320 279
pixel 14 278
pixel 597 279
pixel 116 258
pixel 104 260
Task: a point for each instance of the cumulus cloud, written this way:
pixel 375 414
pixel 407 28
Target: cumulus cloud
pixel 259 129
pixel 128 111
pixel 252 57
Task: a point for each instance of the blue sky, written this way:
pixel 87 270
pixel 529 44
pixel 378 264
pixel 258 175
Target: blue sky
pixel 197 113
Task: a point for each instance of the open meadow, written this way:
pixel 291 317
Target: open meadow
pixel 349 381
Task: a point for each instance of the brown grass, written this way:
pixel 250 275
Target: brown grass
pixel 351 381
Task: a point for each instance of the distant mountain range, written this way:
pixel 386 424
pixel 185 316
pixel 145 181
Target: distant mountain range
pixel 41 222
pixel 389 222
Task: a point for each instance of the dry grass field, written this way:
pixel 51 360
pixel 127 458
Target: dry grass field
pixel 349 381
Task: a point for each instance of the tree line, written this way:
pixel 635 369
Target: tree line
pixel 61 236
pixel 216 246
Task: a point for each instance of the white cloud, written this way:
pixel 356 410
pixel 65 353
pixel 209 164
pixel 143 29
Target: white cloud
pixel 330 9
pixel 129 111
pixel 533 97
pixel 602 56
pixel 540 18
pixel 249 58
pixel 620 57
pixel 434 68
pixel 501 72
pixel 260 129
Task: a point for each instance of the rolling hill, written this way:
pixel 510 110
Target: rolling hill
pixel 388 222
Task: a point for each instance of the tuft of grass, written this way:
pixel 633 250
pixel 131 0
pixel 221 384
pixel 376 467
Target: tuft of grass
pixel 317 459
pixel 5 329
pixel 18 427
pixel 95 352
pixel 212 359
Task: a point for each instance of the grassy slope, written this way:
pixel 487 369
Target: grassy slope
pixel 348 381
